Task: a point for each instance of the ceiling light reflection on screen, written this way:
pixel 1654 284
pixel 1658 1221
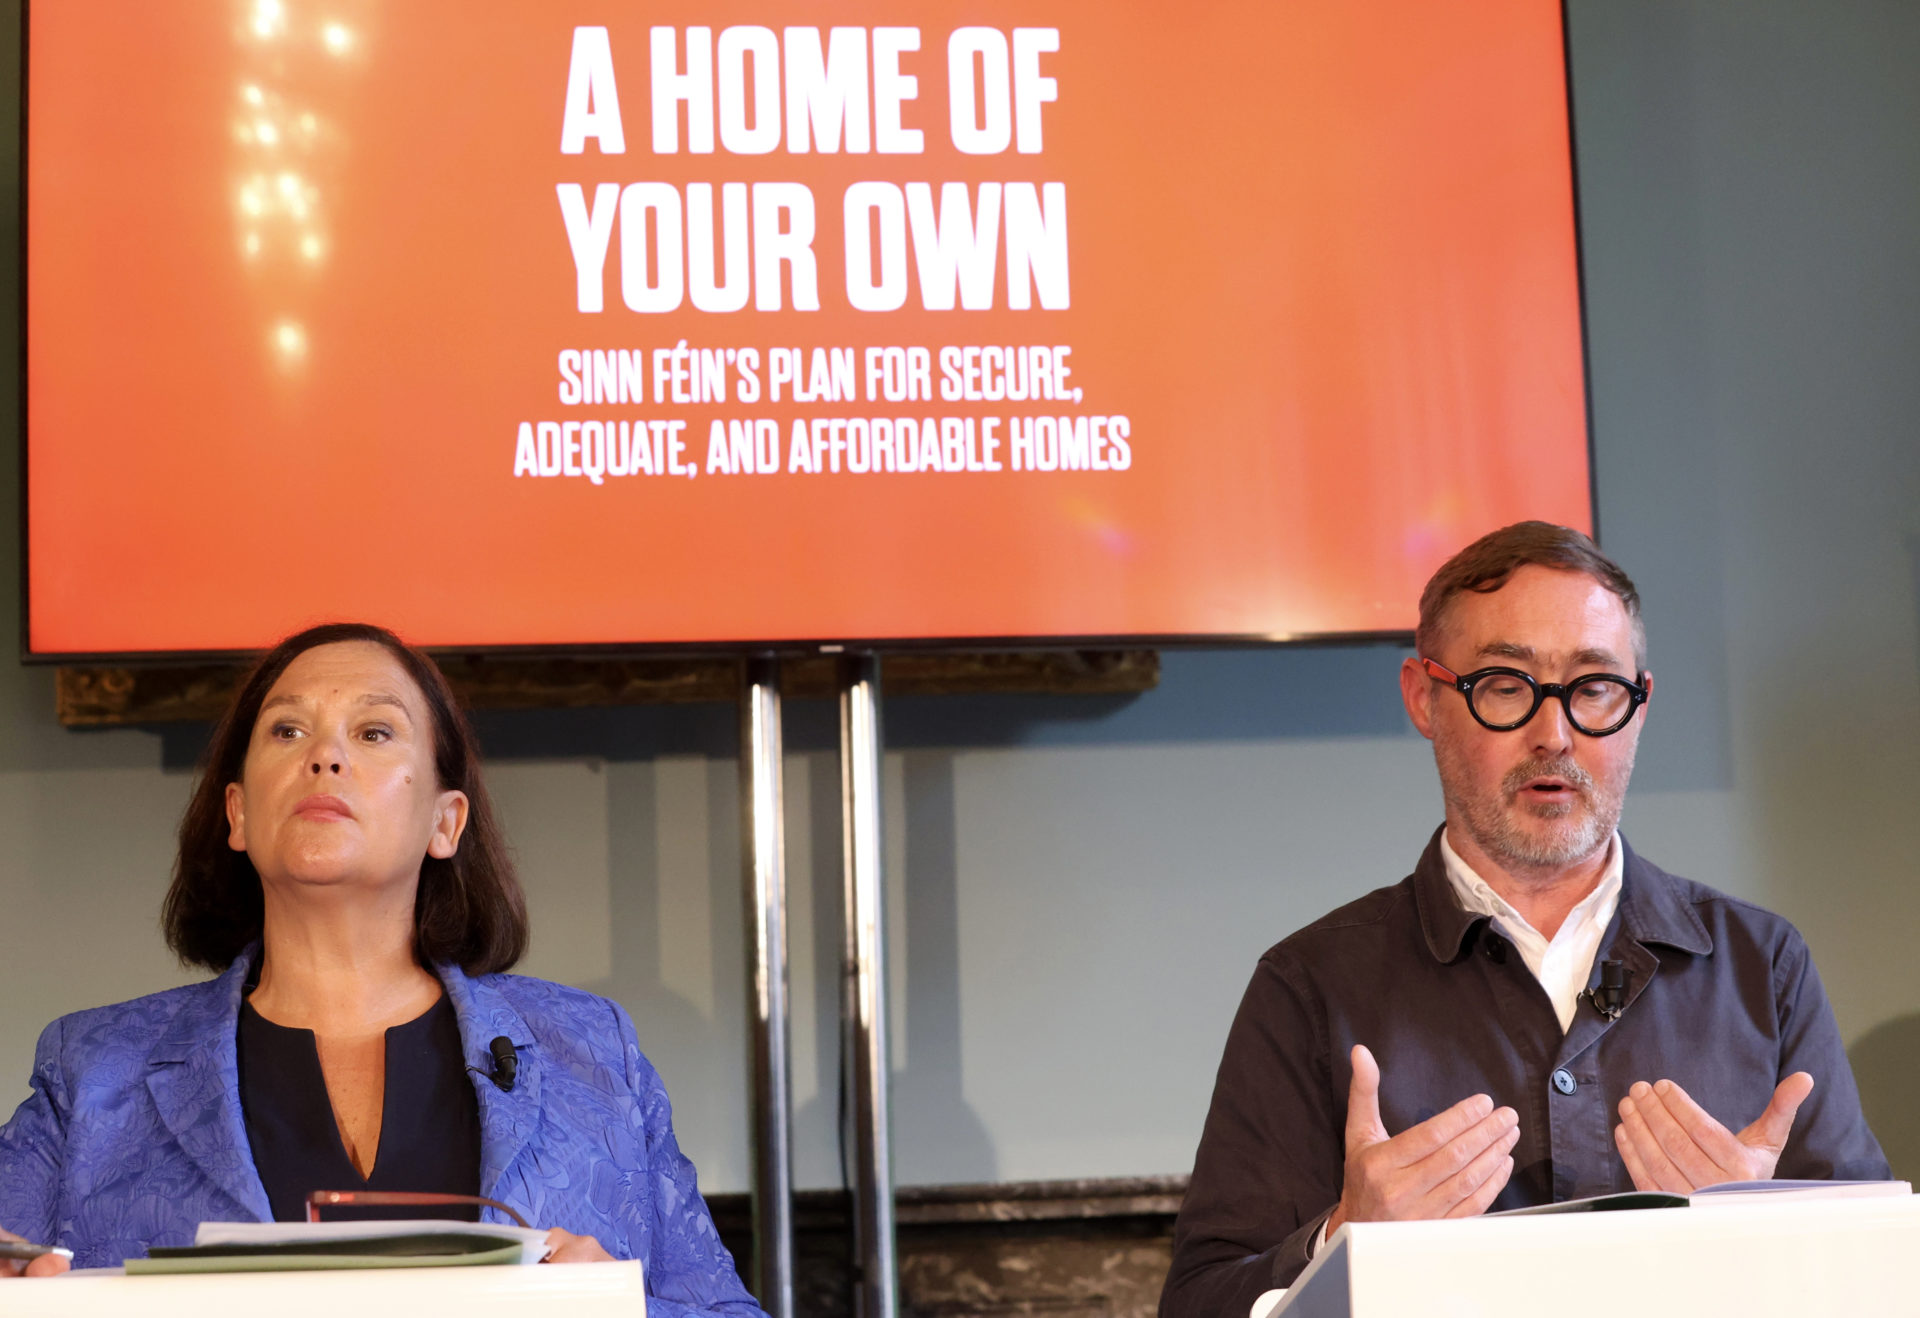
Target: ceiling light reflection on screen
pixel 286 131
pixel 269 19
pixel 290 341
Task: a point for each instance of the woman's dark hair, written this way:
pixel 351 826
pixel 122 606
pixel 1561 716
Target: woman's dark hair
pixel 468 911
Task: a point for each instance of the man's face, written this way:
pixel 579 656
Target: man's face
pixel 1542 797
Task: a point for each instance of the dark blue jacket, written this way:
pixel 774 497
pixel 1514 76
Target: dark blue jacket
pixel 133 1134
pixel 1722 999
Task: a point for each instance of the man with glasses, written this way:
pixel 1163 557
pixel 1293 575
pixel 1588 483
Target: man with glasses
pixel 1537 1013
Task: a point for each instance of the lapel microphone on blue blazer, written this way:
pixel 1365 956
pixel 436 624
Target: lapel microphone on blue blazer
pixel 506 1062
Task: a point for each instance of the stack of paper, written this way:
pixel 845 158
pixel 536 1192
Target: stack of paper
pixel 1725 1194
pixel 309 1246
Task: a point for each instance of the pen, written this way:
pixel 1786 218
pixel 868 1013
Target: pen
pixel 20 1249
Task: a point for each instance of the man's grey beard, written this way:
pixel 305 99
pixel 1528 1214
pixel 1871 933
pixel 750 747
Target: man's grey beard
pixel 1495 824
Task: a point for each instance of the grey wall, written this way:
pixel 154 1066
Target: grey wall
pixel 1080 887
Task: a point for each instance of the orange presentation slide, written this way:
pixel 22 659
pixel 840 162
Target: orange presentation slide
pixel 545 322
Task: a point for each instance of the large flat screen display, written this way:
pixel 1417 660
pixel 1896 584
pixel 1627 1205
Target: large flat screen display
pixel 557 323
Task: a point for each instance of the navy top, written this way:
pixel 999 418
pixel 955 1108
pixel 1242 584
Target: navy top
pixel 429 1123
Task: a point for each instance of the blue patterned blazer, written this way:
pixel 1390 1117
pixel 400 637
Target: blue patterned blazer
pixel 133 1134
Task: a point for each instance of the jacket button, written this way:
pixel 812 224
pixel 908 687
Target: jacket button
pixel 1563 1081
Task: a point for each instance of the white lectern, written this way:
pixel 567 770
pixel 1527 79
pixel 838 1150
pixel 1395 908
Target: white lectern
pixel 1847 1257
pixel 577 1290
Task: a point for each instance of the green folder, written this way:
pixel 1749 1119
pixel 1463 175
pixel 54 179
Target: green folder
pixel 423 1250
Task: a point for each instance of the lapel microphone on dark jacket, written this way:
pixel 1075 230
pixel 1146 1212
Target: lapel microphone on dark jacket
pixel 1610 994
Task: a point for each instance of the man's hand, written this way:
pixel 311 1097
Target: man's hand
pixel 1452 1165
pixel 47 1265
pixel 1670 1143
pixel 569 1248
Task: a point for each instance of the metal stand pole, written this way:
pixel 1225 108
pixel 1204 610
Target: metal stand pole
pixel 866 1015
pixel 763 862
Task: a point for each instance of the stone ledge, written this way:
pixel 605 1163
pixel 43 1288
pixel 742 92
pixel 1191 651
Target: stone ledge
pixel 1066 1249
pixel 113 697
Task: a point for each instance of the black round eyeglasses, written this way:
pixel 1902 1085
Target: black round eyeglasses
pixel 1502 699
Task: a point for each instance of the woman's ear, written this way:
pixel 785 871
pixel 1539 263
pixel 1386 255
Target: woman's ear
pixel 236 817
pixel 449 822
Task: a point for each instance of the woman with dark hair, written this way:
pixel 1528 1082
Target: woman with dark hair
pixel 341 870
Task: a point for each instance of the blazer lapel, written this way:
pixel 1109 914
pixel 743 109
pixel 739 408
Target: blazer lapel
pixel 508 1118
pixel 1651 913
pixel 194 1079
pixel 1588 1022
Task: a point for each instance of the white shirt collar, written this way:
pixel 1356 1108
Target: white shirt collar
pixel 1563 964
pixel 1476 896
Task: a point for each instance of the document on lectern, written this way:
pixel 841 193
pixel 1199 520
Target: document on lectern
pixel 1726 1194
pixel 320 1246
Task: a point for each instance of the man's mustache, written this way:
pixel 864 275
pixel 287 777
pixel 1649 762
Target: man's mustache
pixel 1562 768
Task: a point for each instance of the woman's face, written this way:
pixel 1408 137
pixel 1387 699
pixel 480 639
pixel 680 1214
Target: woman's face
pixel 338 788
